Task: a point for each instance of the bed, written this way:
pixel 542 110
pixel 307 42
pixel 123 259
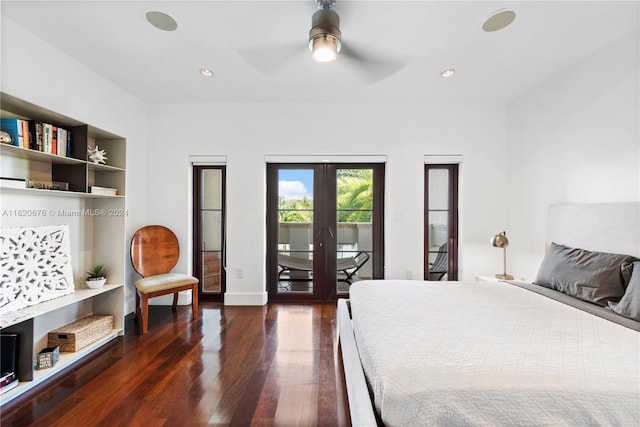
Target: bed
pixel 497 353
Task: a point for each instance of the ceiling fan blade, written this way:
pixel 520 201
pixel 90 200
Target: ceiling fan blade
pixel 271 59
pixel 370 64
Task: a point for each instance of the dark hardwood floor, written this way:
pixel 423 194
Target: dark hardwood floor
pixel 243 366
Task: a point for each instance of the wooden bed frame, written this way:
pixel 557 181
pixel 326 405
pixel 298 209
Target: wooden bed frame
pixel 606 227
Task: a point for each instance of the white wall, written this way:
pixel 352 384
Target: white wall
pixel 67 87
pixel 245 133
pixel 575 138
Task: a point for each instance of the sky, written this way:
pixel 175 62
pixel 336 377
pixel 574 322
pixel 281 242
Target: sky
pixel 295 183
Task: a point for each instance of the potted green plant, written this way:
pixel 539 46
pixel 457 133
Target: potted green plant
pixel 96 277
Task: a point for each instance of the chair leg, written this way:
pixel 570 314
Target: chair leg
pixel 175 299
pixel 137 304
pixel 145 313
pixel 194 300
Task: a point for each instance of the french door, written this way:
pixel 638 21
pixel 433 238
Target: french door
pixel 441 222
pixel 325 229
pixel 209 230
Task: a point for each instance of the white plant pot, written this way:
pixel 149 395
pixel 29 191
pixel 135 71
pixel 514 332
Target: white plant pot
pixel 95 283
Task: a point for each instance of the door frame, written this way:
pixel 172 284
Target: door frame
pixel 324 207
pixel 197 235
pixel 454 171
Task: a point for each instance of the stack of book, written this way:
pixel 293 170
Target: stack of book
pixel 6 182
pixel 103 191
pixel 8 381
pixel 48 185
pixel 39 136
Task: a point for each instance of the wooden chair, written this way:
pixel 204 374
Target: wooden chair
pixel 154 252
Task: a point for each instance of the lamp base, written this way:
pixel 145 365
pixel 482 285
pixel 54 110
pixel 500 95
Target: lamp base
pixel 504 276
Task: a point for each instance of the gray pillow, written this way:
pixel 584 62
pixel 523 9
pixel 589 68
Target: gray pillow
pixel 596 277
pixel 629 305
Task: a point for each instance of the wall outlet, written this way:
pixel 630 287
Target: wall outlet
pixel 239 273
pixel 408 274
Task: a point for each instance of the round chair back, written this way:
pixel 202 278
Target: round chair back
pixel 154 250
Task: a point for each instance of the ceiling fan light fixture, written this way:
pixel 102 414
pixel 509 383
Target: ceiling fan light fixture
pixel 324 36
pixel 324 48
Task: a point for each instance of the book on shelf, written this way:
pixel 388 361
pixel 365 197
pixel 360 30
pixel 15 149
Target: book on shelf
pixel 7 378
pixel 103 191
pixel 14 383
pixel 54 139
pixel 26 136
pixel 12 182
pixel 69 143
pixel 48 185
pixel 46 138
pixel 35 129
pixel 62 142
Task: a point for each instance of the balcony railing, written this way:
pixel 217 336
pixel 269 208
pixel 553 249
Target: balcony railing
pixel 296 239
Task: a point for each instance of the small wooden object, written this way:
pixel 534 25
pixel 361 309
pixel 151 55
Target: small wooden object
pixel 48 357
pixel 81 333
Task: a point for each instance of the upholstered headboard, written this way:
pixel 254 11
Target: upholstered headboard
pixel 604 227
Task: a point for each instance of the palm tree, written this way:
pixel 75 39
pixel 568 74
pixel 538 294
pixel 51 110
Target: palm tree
pixel 354 199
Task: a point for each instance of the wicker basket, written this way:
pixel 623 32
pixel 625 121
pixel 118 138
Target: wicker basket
pixel 81 333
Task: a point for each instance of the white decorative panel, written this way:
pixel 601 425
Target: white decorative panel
pixel 35 265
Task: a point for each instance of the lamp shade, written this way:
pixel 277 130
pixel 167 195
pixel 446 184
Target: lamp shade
pixel 500 240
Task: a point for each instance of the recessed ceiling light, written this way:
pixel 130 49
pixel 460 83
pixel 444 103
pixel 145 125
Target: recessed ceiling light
pixel 499 20
pixel 206 72
pixel 162 21
pixel 448 73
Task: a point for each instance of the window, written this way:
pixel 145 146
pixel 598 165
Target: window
pixel 441 222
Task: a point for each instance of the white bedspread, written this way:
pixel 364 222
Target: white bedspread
pixel 487 353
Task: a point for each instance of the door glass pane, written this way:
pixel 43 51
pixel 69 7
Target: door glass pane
pixel 211 232
pixel 438 215
pixel 438 189
pixel 354 234
pixel 295 230
pixel 212 189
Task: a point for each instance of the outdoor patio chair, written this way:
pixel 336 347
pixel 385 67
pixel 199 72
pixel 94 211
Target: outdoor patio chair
pixel 348 266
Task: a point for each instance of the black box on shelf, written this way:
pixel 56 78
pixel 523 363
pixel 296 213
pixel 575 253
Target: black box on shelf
pixel 48 357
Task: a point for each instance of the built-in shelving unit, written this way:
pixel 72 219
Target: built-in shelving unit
pixel 97 232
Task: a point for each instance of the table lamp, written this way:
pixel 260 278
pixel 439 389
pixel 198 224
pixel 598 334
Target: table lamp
pixel 501 241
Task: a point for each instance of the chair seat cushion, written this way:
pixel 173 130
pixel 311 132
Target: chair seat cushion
pixel 163 282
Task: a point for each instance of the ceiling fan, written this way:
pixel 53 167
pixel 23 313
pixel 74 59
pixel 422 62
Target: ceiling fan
pixel 326 45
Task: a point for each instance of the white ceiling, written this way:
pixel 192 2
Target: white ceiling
pixel 114 39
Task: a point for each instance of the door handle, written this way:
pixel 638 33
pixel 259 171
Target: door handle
pixel 330 232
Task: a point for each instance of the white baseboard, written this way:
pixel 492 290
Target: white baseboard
pixel 245 298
